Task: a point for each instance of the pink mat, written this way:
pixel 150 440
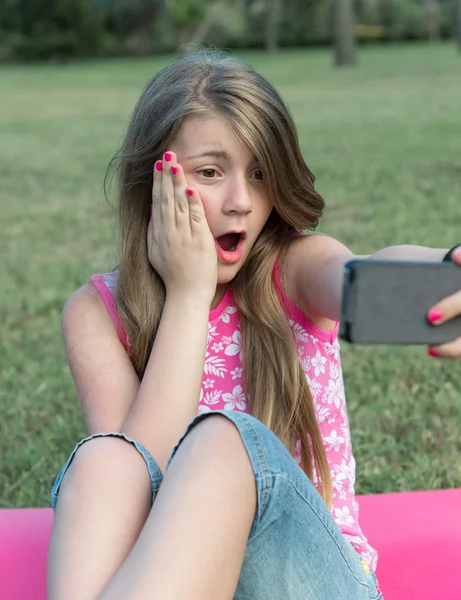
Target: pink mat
pixel 417 535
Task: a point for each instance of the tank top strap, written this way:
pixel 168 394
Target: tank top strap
pixel 106 284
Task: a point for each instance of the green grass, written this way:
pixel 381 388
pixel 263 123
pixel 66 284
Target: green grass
pixel 384 140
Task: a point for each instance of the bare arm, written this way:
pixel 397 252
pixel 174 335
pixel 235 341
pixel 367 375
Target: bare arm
pixel 168 396
pixel 156 411
pixel 316 265
pixel 104 377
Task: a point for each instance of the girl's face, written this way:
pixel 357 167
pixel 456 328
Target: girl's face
pixel 230 185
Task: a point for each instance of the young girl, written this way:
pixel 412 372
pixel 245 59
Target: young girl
pixel 220 307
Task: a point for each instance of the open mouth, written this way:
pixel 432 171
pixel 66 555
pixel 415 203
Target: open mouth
pixel 229 241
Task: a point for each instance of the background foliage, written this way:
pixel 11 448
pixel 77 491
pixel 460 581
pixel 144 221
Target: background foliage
pixel 60 29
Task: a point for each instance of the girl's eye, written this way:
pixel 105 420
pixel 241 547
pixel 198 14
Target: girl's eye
pixel 206 173
pixel 214 171
pixel 259 173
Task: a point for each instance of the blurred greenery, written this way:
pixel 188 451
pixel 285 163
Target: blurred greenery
pixel 384 141
pixel 58 30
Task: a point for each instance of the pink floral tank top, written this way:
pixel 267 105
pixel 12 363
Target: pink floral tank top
pixel 318 351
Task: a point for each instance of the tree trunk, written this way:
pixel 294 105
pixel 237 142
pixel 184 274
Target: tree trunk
pixel 207 22
pixel 343 33
pixel 140 40
pixel 432 20
pixel 274 14
pixel 457 23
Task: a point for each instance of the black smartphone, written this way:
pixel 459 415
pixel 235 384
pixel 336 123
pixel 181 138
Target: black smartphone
pixel 386 302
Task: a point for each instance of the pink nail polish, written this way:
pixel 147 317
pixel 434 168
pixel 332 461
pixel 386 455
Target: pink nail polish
pixel 158 165
pixel 174 170
pixel 434 315
pixel 168 156
pixel 189 192
pixel 432 352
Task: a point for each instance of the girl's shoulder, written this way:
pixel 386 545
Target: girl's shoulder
pixel 105 379
pixel 96 299
pixel 85 313
pixel 301 246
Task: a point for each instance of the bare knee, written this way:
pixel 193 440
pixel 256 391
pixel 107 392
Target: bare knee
pixel 105 460
pixel 218 432
pixel 216 440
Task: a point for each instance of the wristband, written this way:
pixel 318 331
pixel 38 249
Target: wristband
pixel 449 254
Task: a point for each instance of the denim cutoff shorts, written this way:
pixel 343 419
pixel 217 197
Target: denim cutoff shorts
pixel 295 549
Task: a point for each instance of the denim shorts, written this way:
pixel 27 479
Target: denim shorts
pixel 295 549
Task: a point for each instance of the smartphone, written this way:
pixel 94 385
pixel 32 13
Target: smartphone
pixel 386 302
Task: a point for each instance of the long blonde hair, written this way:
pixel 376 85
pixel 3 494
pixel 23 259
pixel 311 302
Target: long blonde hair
pixel 204 82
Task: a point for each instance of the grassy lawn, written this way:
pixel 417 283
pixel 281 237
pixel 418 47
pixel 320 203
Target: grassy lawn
pixel 385 143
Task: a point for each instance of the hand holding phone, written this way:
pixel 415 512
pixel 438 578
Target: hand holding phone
pixel 387 302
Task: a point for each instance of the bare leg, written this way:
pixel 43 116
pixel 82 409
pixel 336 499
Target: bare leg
pixel 193 543
pixel 103 503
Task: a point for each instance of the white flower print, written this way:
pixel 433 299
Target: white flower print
pixel 203 409
pixel 236 347
pixel 212 397
pixel 211 333
pixel 322 412
pixel 208 383
pixel 318 362
pixel 344 471
pixel 346 433
pixel 333 349
pixel 354 539
pixel 314 386
pixel 217 347
pixel 334 441
pixel 335 392
pixel 356 506
pixel 315 477
pixel 236 373
pixel 305 362
pixel 226 339
pixel 300 333
pixel 297 452
pixel 335 371
pixel 343 495
pixel 235 400
pixel 215 366
pixel 343 517
pixel 225 315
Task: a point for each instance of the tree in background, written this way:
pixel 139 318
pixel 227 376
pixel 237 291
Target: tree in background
pixel 63 29
pixel 274 13
pixel 132 21
pixel 344 42
pixel 431 14
pixel 457 22
pixel 52 30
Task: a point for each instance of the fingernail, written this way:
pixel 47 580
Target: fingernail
pixel 434 315
pixel 432 352
pixel 158 165
pixel 174 170
pixel 168 156
pixel 189 192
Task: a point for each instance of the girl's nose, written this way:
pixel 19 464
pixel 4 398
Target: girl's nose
pixel 238 199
